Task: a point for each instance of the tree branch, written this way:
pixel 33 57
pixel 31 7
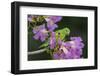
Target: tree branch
pixel 36 52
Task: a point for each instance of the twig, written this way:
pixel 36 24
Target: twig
pixel 36 52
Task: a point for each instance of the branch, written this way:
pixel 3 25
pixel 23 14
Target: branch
pixel 37 52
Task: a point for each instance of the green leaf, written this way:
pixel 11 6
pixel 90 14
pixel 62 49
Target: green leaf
pixel 63 33
pixel 45 44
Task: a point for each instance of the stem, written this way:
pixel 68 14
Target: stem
pixel 36 52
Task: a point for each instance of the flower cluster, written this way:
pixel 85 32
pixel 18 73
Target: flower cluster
pixel 70 49
pixel 60 49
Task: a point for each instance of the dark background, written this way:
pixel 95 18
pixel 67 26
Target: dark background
pixel 78 27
